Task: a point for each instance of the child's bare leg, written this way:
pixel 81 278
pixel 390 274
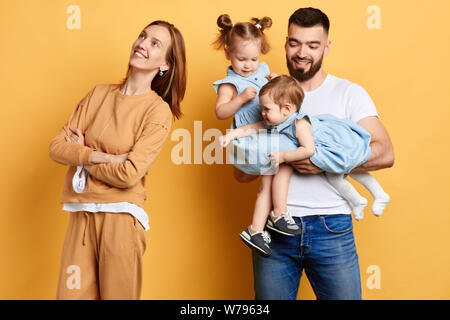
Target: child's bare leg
pixel 349 193
pixel 381 198
pixel 280 220
pixel 263 204
pixel 280 188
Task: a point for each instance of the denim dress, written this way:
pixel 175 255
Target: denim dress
pixel 341 145
pixel 245 153
pixel 250 112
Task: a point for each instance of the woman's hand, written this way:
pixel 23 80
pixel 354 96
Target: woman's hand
pixel 101 157
pixel 96 156
pixel 119 158
pixel 77 136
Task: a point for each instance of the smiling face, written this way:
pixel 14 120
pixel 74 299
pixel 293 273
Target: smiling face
pixel 244 56
pixel 149 51
pixel 305 49
pixel 273 113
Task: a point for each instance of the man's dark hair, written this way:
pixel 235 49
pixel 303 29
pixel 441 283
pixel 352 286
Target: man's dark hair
pixel 310 17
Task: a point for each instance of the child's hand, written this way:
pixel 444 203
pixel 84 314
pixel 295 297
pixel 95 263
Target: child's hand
pixel 248 94
pixel 224 140
pixel 271 76
pixel 277 158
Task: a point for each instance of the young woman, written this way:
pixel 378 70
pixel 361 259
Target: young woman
pixel 109 144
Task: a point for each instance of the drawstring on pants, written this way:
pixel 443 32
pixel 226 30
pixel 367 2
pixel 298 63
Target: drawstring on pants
pixel 85 228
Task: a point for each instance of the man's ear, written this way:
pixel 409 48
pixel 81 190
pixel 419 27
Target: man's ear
pixel 327 48
pixel 286 43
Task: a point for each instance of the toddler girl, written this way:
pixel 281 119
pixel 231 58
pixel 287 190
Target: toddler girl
pixel 237 97
pixel 335 145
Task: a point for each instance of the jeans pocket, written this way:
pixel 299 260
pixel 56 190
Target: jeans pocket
pixel 337 223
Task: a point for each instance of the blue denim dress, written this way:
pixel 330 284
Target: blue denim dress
pixel 245 153
pixel 251 111
pixel 341 145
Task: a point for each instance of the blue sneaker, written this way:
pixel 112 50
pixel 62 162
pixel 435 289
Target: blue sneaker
pixel 259 241
pixel 283 224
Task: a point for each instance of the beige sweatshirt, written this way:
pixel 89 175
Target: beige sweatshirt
pixel 113 123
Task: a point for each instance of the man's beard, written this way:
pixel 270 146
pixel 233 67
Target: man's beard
pixel 300 74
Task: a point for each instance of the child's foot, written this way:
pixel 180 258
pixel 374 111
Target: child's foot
pixel 379 204
pixel 358 208
pixel 258 240
pixel 283 224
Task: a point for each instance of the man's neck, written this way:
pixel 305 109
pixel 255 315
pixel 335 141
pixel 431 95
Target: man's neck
pixel 315 81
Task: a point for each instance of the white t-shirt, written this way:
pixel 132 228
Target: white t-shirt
pixel 312 194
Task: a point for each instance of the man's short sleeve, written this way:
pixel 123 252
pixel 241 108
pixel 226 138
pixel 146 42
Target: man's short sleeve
pixel 360 104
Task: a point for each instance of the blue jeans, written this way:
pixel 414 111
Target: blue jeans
pixel 325 249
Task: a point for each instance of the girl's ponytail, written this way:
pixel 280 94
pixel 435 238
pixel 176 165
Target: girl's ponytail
pixel 225 25
pixel 245 30
pixel 224 22
pixel 263 23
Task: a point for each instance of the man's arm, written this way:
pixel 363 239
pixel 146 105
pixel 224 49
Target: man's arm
pixel 382 155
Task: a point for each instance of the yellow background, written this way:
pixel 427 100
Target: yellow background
pixel 197 211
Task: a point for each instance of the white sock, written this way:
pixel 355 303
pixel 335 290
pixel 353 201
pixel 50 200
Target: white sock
pixel 358 208
pixel 349 193
pixel 381 198
pixel 379 204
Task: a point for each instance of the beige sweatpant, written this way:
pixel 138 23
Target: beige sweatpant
pixel 102 257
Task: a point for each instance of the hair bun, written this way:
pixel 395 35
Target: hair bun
pixel 264 23
pixel 224 22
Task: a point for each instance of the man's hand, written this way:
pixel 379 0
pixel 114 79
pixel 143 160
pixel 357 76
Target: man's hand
pixel 305 167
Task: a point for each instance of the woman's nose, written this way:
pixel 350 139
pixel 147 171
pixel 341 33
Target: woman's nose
pixel 143 44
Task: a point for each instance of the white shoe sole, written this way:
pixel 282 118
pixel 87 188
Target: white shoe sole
pixel 245 237
pixel 279 231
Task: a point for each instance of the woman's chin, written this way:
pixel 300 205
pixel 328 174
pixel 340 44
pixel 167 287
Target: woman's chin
pixel 137 65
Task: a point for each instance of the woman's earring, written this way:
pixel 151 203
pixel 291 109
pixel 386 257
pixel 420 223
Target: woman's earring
pixel 161 73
